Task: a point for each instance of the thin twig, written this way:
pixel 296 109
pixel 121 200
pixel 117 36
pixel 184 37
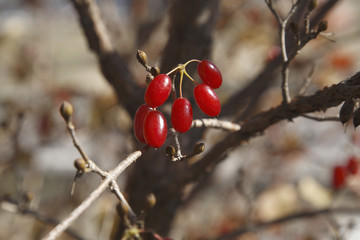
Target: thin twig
pixel 113 174
pixel 208 123
pixel 307 80
pixel 285 65
pixel 92 167
pixel 216 123
pixel 320 101
pixel 321 119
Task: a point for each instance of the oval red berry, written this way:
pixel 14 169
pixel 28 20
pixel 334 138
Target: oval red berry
pixel 352 165
pixel 339 176
pixel 181 115
pixel 158 90
pixel 155 129
pixel 209 74
pixel 138 126
pixel 207 100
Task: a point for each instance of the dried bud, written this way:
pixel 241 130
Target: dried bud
pixel 356 118
pixel 80 164
pixel 312 5
pixel 294 27
pixel 346 110
pixel 150 201
pixel 142 58
pixel 66 110
pixel 155 71
pixel 170 151
pixel 149 78
pixel 323 25
pixel 199 148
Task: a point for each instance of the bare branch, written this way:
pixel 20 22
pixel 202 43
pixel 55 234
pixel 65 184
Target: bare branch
pixel 216 123
pixel 113 174
pixel 320 101
pixel 293 217
pixel 282 32
pixel 321 119
pixel 91 165
pixel 249 94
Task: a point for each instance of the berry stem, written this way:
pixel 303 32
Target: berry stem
pixel 190 61
pixel 190 77
pixel 182 71
pixel 179 67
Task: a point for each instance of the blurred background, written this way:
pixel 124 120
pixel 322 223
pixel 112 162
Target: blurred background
pixel 44 60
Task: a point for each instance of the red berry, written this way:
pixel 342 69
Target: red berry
pixel 158 90
pixel 207 100
pixel 140 115
pixel 352 165
pixel 209 74
pixel 155 129
pixel 339 176
pixel 181 115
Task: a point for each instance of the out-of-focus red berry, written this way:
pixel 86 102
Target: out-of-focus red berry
pixel 138 126
pixel 339 177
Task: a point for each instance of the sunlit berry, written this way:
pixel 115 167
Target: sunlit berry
pixel 158 90
pixel 209 74
pixel 207 100
pixel 155 129
pixel 181 115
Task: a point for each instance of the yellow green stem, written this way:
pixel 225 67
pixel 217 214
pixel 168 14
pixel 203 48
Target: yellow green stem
pixel 190 77
pixel 181 79
pixel 190 61
pixel 180 66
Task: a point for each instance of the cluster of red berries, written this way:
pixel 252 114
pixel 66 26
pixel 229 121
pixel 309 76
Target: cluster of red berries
pixel 340 172
pixel 150 126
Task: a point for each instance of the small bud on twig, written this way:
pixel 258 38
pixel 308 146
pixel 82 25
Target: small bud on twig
pixel 80 164
pixel 142 58
pixel 155 71
pixel 150 201
pixel 198 148
pixel 170 151
pixel 323 25
pixel 149 78
pixel 66 110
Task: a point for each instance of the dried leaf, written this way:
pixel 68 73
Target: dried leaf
pixel 356 119
pixel 347 110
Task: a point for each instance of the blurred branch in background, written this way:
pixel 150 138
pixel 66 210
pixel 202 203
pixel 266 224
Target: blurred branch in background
pixel 111 63
pixel 249 94
pixel 14 206
pixel 294 217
